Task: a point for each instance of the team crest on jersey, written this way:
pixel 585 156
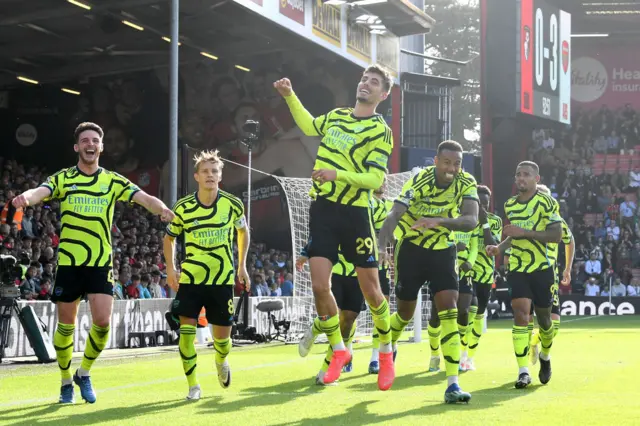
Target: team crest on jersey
pixel 224 218
pixel 358 129
pixel 104 188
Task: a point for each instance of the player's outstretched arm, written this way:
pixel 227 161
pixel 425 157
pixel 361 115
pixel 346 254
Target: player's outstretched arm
pixel 31 197
pixel 309 125
pixel 154 205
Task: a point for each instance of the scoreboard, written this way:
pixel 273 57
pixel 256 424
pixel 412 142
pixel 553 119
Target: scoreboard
pixel 545 61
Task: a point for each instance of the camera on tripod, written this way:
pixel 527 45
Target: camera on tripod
pixel 10 272
pixel 252 128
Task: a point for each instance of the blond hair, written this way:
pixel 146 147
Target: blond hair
pixel 210 156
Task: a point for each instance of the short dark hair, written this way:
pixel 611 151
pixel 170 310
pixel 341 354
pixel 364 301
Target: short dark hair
pixel 135 277
pixel 387 82
pixel 449 145
pixel 87 126
pixel 531 164
pixel 483 189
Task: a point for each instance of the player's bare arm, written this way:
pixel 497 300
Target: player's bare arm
pixel 243 249
pixel 31 197
pixel 497 250
pixel 154 205
pixel 169 251
pixel 552 234
pixel 489 240
pixel 569 252
pixel 466 222
pixel 385 237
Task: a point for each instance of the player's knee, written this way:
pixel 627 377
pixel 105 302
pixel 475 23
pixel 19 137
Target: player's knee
pixel 321 287
pixel 102 321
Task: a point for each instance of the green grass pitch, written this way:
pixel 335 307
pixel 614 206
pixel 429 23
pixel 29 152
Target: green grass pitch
pixel 596 377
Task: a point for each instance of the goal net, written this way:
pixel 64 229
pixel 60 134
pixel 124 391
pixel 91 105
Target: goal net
pixel 298 200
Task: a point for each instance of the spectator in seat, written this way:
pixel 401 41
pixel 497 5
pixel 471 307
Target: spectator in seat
pixel 287 285
pixel 632 291
pixel 635 255
pixel 143 287
pixel 593 267
pixel 627 211
pixel 45 289
pixel 592 289
pixel 259 287
pixel 618 289
pixel 613 231
pixel 30 286
pixel 118 292
pixel 133 291
pixel 154 287
pixel 605 291
pixel 634 178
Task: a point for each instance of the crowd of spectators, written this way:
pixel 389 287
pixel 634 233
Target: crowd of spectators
pixel 593 169
pixel 139 270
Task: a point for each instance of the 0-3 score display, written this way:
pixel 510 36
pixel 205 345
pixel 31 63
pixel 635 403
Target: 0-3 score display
pixel 545 61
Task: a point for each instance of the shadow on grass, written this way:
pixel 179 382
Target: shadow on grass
pixel 359 414
pixel 94 417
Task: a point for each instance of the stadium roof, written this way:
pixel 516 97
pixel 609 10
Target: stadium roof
pixel 618 18
pixel 65 41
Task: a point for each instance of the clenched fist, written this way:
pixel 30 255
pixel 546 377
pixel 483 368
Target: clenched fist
pixel 283 86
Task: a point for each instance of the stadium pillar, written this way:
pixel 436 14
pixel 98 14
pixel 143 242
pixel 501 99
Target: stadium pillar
pixel 396 128
pixel 485 113
pixel 173 103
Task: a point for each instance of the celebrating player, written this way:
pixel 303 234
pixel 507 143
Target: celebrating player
pixel 489 234
pixel 87 195
pixel 381 208
pixel 569 251
pixel 535 224
pixel 351 162
pixel 438 200
pixel 207 218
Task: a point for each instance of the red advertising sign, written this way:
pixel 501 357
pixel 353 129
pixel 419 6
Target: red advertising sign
pixel 293 9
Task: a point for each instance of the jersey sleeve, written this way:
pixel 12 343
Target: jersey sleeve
pixel 174 228
pixel 408 194
pixel 380 213
pixel 552 214
pixel 473 246
pixel 496 228
pixel 310 125
pixel 124 188
pixel 55 184
pixel 240 221
pixel 469 188
pixel 382 145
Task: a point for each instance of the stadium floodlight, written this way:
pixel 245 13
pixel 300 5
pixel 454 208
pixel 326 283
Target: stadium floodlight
pixel 79 4
pixel 241 68
pixel 209 55
pixel 28 80
pixel 168 40
pixel 132 25
pixel 70 91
